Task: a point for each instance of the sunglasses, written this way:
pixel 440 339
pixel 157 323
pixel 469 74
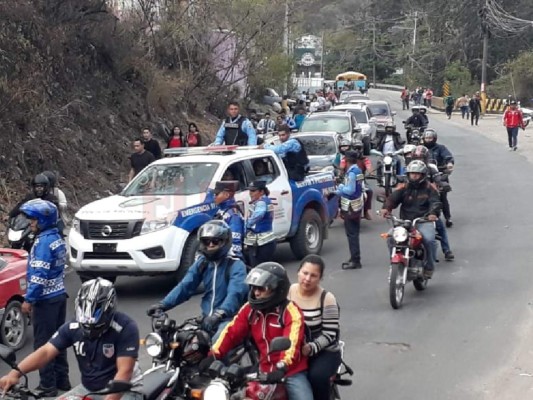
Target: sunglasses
pixel 214 241
pixel 259 289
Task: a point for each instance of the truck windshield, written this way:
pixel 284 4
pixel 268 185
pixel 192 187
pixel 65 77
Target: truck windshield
pixel 379 109
pixel 318 145
pixel 325 124
pixel 178 179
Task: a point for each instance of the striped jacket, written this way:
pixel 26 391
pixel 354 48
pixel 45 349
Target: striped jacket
pixel 263 327
pixel 46 266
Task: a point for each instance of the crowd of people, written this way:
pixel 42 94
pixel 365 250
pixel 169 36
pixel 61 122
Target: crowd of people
pixel 418 96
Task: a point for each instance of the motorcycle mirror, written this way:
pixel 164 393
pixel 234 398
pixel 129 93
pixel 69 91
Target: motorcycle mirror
pixel 8 356
pixel 215 369
pixel 279 344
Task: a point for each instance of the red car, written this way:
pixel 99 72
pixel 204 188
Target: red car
pixel 13 324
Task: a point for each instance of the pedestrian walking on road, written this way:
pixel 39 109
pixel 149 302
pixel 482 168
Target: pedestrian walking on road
pixel 462 104
pixel 429 97
pixel 475 109
pixel 404 96
pixel 449 101
pixel 512 120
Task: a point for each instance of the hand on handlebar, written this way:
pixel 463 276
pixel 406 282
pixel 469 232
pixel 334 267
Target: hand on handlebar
pixel 7 382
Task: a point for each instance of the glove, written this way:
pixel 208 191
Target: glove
pixel 275 376
pixel 210 323
pixel 155 309
pixel 206 362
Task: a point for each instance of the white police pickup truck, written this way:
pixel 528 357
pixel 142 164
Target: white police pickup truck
pixel 150 228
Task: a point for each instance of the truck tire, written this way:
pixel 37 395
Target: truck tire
pixel 309 237
pixel 187 257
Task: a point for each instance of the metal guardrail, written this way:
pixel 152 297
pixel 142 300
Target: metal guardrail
pixel 388 87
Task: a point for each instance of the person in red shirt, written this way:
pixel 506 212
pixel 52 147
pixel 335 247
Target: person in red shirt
pixel 176 138
pixel 267 315
pixel 193 136
pixel 512 120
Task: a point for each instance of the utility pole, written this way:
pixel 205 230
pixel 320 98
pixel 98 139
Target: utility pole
pixel 286 39
pixel 322 56
pixel 374 54
pixel 486 34
pixel 414 39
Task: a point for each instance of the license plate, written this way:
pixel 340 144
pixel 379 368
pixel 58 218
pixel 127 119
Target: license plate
pixel 105 247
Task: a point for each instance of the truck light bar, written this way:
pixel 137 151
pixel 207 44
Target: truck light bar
pixel 218 149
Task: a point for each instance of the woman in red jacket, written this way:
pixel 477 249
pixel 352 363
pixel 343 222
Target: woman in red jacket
pixel 175 139
pixel 193 136
pixel 512 120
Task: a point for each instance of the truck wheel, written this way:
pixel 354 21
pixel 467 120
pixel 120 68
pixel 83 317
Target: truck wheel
pixel 309 236
pixel 187 257
pixel 14 326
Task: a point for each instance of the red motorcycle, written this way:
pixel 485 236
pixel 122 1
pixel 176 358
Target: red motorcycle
pixel 408 258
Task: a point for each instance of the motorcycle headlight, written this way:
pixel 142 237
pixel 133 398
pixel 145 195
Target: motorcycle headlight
pixel 154 344
pixel 216 391
pixel 399 234
pixel 387 160
pixel 76 225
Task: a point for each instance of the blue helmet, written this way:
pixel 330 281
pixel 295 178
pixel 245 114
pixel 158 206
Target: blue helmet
pixel 45 212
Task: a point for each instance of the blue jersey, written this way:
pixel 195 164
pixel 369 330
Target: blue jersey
pixel 231 215
pixel 46 265
pixel 97 359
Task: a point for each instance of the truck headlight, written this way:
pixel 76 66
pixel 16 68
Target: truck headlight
pixel 76 225
pixel 154 344
pixel 154 225
pixel 399 234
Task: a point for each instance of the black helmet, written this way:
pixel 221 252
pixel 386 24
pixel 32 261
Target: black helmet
pixel 96 304
pixel 390 128
pixel 430 138
pixel 40 185
pixel 52 178
pixel 421 153
pixel 416 166
pixel 269 275
pixel 358 144
pixel 214 231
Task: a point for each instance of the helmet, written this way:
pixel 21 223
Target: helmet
pixel 217 231
pixel 195 345
pixel 390 128
pixel 358 144
pixel 345 143
pixel 96 304
pixel 269 275
pixel 421 153
pixel 430 138
pixel 416 166
pixel 40 185
pixel 45 212
pixel 408 152
pixel 52 178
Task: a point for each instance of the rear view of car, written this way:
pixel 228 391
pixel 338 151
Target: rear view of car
pixel 382 112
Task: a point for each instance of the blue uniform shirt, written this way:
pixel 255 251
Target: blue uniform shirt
pixel 261 219
pixel 228 213
pixel 246 127
pixel 290 146
pixel 46 265
pixel 97 359
pixel 353 187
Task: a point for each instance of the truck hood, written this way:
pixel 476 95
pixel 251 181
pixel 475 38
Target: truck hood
pixel 121 208
pixel 317 162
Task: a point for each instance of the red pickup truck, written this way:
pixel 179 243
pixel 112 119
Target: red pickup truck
pixel 13 324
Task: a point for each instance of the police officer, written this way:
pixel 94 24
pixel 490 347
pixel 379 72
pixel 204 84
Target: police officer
pixel 292 152
pixel 222 275
pixel 236 129
pixel 352 203
pixel 45 297
pixel 105 342
pixel 229 212
pixel 260 238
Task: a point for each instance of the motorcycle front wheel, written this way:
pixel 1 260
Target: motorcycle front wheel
pixel 396 286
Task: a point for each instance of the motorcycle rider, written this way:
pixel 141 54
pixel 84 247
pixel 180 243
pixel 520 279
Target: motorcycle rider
pixel 418 198
pixel 61 198
pixel 40 190
pixel 269 314
pixel 416 120
pixel 105 342
pixel 222 275
pixel 422 153
pixel 229 212
pixel 445 162
pixel 388 142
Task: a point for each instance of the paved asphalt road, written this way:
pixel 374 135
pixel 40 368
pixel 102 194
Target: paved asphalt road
pixel 449 341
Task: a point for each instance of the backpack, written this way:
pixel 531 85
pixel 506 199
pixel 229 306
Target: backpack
pixel 449 101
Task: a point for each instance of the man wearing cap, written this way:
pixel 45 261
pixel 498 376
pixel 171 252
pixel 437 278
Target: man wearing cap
pixel 236 129
pixel 512 120
pixel 229 212
pixel 352 203
pixel 292 152
pixel 260 239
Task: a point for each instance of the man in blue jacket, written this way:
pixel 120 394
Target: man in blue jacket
pixel 223 278
pixel 45 296
pixel 229 212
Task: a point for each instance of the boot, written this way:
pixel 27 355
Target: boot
pixel 449 256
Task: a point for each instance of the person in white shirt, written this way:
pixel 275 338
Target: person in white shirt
pixel 266 125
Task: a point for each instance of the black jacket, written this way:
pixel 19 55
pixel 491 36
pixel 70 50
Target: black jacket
pixel 440 154
pixel 30 196
pixel 417 120
pixel 415 202
pixel 475 106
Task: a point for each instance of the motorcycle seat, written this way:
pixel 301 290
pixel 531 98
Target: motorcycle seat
pixel 153 384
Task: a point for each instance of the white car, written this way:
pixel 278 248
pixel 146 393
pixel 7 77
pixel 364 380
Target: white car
pixel 365 120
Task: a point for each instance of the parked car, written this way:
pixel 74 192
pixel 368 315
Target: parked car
pixel 321 148
pixel 342 122
pixel 382 112
pixel 351 94
pixel 365 120
pixel 13 323
pixel 271 97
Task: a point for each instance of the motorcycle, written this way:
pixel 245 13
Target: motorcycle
pixel 234 382
pixel 413 133
pixel 386 172
pixel 19 233
pixel 408 258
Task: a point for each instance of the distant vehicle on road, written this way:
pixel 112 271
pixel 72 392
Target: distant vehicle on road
pixel 382 112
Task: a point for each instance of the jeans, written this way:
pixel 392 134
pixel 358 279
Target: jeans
pixel 449 110
pixel 443 233
pixel 512 135
pixel 368 201
pixel 220 328
pixel 47 317
pixel 405 104
pixel 298 387
pixel 427 229
pixel 464 112
pixel 445 205
pixel 351 227
pixel 474 117
pixel 321 368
